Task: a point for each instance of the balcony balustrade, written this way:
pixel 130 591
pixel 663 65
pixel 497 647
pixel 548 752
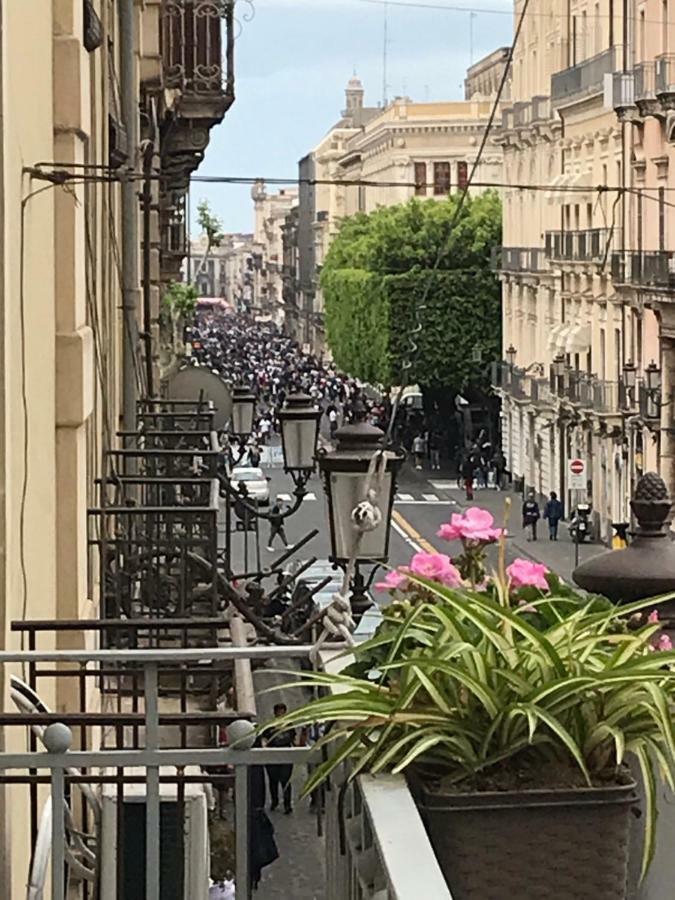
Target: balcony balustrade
pixel 192 46
pixel 541 109
pixel 645 87
pixel 646 268
pixel 521 385
pixel 589 392
pixel 665 78
pixel 589 245
pixel 522 113
pixel 580 80
pixel 623 91
pixel 519 259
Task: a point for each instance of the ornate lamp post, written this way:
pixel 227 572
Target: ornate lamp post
pixel 647 567
pixel 345 472
pixel 299 436
pixel 243 412
pixel 511 355
pixel 629 381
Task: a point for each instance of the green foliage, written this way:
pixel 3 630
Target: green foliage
pixel 180 299
pixel 458 300
pixel 210 224
pixel 469 686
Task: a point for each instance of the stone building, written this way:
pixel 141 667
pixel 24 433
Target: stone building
pixel 578 329
pixel 83 260
pixel 270 217
pixel 484 77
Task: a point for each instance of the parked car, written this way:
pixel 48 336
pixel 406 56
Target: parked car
pixel 257 483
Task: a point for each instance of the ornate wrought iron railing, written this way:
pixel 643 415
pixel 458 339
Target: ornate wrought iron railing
pixel 195 61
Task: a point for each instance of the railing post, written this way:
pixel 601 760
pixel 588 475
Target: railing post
pixel 58 833
pixel 152 813
pixel 242 830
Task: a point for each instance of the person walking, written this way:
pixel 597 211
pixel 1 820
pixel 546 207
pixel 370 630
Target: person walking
pixel 531 515
pixel 468 471
pixel 276 520
pixel 279 776
pixel 435 450
pixel 553 513
pixel 418 450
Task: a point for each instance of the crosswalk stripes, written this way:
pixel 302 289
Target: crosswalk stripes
pixel 444 485
pixel 399 499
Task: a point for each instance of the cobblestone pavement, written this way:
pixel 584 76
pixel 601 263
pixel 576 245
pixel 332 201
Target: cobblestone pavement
pixel 299 873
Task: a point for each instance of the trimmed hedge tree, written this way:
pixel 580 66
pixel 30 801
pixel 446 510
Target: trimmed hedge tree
pixel 381 268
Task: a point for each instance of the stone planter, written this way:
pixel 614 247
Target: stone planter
pixel 532 844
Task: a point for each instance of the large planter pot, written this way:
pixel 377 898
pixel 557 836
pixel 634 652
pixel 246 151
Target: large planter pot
pixel 532 844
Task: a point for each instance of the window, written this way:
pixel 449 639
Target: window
pixel 597 45
pixel 664 26
pixel 603 355
pixel 462 174
pixel 441 178
pixel 662 218
pixel 420 179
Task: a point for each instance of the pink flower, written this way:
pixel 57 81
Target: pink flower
pixel 664 643
pixel 653 617
pixel 392 580
pixel 435 567
pixel 524 573
pixel 474 525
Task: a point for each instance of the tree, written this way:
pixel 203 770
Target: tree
pixel 212 229
pixel 405 264
pixel 177 309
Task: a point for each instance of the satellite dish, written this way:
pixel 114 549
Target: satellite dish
pixel 195 382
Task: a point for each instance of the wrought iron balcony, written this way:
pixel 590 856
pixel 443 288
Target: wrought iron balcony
pixel 665 78
pixel 585 78
pixel 644 76
pixel 589 392
pixel 589 245
pixel 648 268
pixel 623 93
pixel 519 259
pixel 192 47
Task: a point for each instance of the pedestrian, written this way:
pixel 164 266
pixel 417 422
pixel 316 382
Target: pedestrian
pixel 553 513
pixel 332 422
pixel 276 520
pixel 279 776
pixel 435 450
pixel 418 450
pixel 531 515
pixel 254 454
pixel 468 470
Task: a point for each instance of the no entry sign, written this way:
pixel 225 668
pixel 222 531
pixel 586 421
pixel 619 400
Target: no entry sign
pixel 577 474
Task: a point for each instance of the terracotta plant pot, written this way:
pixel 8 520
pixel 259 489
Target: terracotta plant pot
pixel 569 844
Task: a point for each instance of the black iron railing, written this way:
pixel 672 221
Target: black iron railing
pixel 519 259
pixel 665 74
pixel 192 46
pixel 591 244
pixel 650 268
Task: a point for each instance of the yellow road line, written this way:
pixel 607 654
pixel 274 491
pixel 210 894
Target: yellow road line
pixel 404 525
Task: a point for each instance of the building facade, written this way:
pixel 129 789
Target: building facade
pixel 484 77
pixel 578 336
pixel 83 261
pixel 270 217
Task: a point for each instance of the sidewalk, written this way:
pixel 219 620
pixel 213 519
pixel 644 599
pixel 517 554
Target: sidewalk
pixel 558 555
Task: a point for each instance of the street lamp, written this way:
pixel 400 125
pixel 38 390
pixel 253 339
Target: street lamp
pixel 243 411
pixel 630 375
pixel 299 435
pixel 559 364
pixel 345 472
pixel 511 355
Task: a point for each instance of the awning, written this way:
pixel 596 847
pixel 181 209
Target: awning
pixel 553 194
pixel 578 339
pixel 557 337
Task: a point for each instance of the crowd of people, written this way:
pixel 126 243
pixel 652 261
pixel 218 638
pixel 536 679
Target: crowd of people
pixel 273 366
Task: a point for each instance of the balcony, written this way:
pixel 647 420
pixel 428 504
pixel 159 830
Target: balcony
pixel 519 259
pixel 665 80
pixel 623 95
pixel 198 79
pixel 588 392
pixel 541 109
pixel 589 245
pixel 522 114
pixel 582 80
pixel 645 268
pixel 521 385
pixel 644 83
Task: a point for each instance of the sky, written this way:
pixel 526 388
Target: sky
pixel 293 61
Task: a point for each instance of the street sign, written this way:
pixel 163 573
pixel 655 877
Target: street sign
pixel 577 475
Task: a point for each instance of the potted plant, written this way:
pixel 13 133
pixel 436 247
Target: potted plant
pixel 511 704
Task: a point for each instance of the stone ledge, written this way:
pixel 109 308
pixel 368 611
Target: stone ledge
pixel 74 377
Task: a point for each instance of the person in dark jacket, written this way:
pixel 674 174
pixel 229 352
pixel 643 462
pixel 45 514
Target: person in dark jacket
pixel 262 844
pixel 279 776
pixel 531 515
pixel 276 518
pixel 468 473
pixel 553 513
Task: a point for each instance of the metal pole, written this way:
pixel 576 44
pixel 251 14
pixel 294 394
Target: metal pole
pixel 58 834
pixel 147 250
pixel 152 838
pixel 242 831
pixel 130 114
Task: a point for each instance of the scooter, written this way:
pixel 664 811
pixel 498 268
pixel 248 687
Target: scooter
pixel 580 523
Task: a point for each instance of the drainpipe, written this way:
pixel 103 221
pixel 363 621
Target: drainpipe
pixel 147 251
pixel 130 288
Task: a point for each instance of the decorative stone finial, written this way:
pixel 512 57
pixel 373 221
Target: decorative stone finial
pixel 651 504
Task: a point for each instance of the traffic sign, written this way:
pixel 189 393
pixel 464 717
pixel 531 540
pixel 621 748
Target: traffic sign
pixel 577 474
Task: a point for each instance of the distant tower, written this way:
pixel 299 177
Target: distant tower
pixel 259 195
pixel 354 96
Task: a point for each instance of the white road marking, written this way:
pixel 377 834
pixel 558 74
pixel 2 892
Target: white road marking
pixel 406 498
pixel 444 485
pixel 288 499
pixel 431 498
pixel 397 528
pixel 309 496
pixel 285 497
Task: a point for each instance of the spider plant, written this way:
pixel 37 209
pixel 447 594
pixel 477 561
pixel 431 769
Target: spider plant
pixel 464 683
